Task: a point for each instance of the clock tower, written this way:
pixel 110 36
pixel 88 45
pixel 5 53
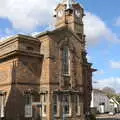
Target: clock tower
pixel 47 76
pixel 69 13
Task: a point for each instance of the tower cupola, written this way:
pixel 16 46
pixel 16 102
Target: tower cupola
pixel 69 13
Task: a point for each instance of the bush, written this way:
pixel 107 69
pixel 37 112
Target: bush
pixel 92 117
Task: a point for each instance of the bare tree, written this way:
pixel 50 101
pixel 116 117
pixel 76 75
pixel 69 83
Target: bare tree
pixel 109 91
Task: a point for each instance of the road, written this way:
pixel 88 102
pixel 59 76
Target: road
pixel 109 117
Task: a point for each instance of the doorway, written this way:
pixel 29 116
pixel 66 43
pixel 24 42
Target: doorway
pixel 37 111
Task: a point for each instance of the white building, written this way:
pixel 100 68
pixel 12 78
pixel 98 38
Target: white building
pixel 100 101
pixel 115 105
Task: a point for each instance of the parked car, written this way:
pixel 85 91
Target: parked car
pixel 111 113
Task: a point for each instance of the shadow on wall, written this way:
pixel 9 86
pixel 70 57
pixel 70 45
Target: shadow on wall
pixel 15 106
pixel 14 109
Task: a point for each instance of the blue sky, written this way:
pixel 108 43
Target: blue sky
pixel 102 27
pixel 105 54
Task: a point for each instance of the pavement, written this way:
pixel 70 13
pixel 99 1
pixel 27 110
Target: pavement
pixel 108 117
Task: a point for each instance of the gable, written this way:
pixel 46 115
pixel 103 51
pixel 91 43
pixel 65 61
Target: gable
pixel 114 101
pixel 65 36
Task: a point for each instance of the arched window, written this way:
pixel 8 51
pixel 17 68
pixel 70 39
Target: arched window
pixel 66 60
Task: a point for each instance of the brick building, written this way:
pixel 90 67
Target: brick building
pixel 47 77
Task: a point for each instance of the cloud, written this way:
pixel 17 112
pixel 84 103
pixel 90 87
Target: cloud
pixel 117 23
pixel 26 15
pixel 95 29
pixel 33 34
pixel 89 58
pixel 108 82
pixel 5 37
pixel 6 33
pixel 115 64
pixel 99 72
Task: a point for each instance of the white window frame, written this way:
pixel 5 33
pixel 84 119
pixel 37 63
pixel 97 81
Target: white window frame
pixel 44 104
pixel 57 105
pixel 2 112
pixel 69 103
pixel 28 107
pixel 78 105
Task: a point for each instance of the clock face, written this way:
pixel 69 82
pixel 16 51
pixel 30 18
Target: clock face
pixel 77 13
pixel 60 13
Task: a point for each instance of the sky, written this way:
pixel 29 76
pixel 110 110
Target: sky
pixel 102 27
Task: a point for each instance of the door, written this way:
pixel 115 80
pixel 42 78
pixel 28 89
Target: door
pixel 102 108
pixel 37 111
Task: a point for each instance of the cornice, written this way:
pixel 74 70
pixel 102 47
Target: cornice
pixel 18 37
pixel 19 52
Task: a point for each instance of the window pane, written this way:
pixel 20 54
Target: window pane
pixel 54 99
pixel 37 98
pixel 45 109
pixel 66 99
pixel 66 109
pixel 55 104
pixel 76 109
pixel 77 104
pixel 44 98
pixel 55 109
pixel 28 99
pixel 66 103
pixel 65 59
